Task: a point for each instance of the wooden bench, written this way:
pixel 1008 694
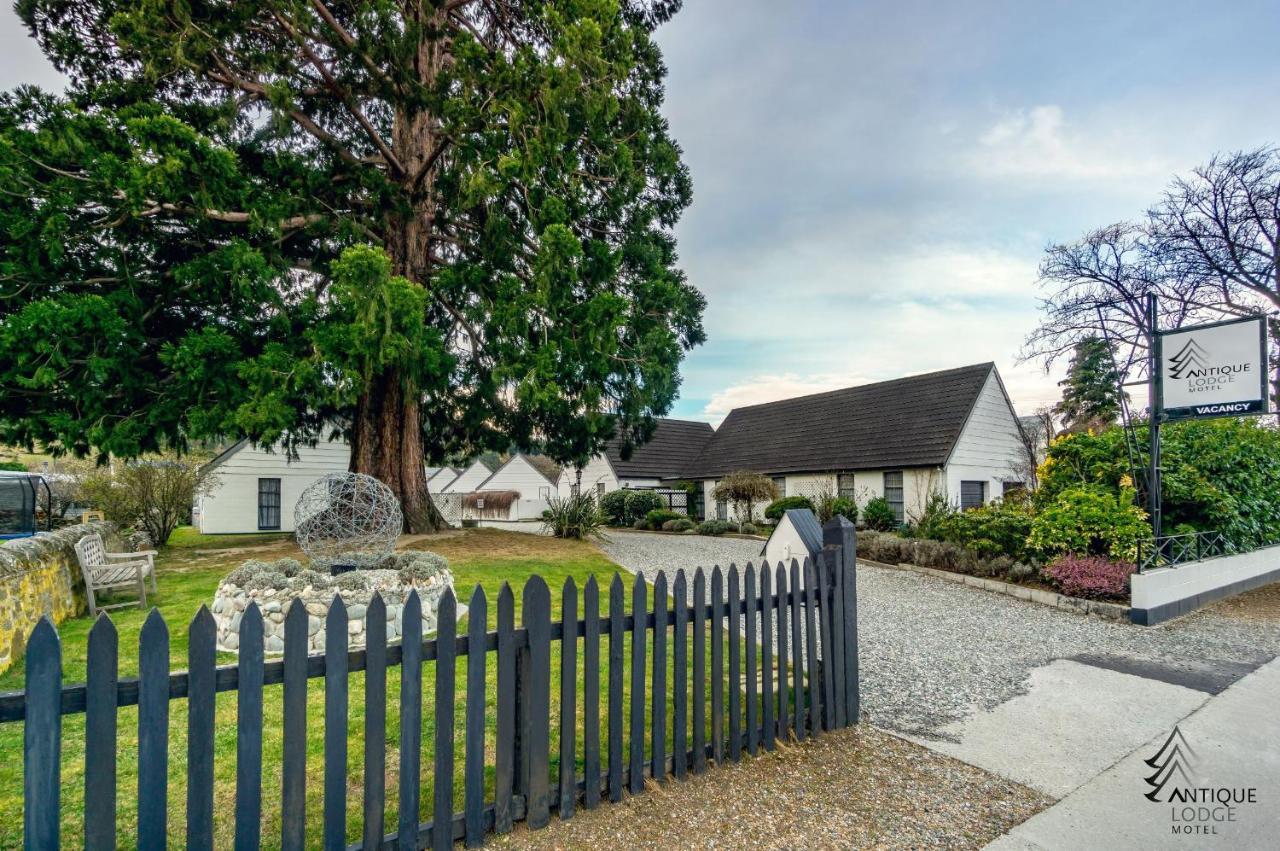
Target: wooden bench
pixel 104 571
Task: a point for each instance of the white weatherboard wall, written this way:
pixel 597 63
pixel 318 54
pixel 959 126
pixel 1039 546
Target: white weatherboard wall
pixel 438 482
pixel 522 477
pixel 1172 591
pixel 989 447
pixel 469 480
pixel 232 506
pixel 597 470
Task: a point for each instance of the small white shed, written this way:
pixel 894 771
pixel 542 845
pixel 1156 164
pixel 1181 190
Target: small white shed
pixel 798 536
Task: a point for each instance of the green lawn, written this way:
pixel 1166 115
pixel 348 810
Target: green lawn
pixel 189 570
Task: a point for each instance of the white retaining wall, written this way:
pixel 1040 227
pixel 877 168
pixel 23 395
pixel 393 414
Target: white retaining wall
pixel 1171 591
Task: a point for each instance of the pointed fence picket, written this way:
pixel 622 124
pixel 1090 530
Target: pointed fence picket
pixel 790 668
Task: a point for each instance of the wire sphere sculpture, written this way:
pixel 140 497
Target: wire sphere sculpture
pixel 347 519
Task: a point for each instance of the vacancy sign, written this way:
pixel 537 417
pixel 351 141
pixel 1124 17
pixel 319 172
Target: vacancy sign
pixel 1216 370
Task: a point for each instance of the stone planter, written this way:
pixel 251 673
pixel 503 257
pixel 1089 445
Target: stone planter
pixel 230 602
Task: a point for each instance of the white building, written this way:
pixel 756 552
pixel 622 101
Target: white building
pixel 674 445
pixel 469 479
pixel 256 490
pixel 439 479
pixel 518 475
pixel 952 432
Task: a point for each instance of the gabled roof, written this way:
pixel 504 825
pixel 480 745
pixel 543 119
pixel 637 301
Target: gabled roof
pixel 806 525
pixel 217 460
pixel 674 445
pixel 477 470
pixel 907 422
pixel 519 457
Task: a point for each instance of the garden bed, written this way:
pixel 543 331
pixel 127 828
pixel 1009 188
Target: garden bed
pixel 1034 592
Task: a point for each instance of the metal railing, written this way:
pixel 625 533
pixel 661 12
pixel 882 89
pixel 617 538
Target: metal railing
pixel 1173 550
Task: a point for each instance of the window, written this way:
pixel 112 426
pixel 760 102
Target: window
pixel 268 503
pixel 894 495
pixel 722 507
pixel 972 495
pixel 780 482
pixel 599 490
pixel 1007 488
pixel 544 493
pixel 844 485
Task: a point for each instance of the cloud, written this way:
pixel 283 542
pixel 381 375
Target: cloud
pixel 1038 142
pixel 770 388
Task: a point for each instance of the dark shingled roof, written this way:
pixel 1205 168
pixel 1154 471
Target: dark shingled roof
pixel 674 446
pixel 907 422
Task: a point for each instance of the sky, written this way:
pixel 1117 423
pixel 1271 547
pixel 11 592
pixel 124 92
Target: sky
pixel 875 182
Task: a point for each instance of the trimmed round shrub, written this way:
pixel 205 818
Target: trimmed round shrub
pixel 420 565
pixel 684 524
pixel 640 502
pixel 890 549
pixel 614 506
pixel 641 524
pixel 748 529
pixel 842 506
pixel 656 518
pixel 999 528
pixel 716 527
pixel 776 508
pixel 290 567
pixel 1090 520
pixel 878 514
pixel 866 542
pixel 1090 576
pixel 352 580
pixel 1021 572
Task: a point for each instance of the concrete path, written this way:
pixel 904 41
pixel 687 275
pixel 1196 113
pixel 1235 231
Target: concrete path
pixel 1232 746
pixel 1074 722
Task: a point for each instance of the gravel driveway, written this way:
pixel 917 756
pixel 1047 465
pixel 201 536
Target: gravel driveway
pixel 933 651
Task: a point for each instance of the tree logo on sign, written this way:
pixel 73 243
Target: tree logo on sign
pixel 1192 357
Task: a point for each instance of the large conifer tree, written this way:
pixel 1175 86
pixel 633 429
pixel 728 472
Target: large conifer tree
pixel 436 226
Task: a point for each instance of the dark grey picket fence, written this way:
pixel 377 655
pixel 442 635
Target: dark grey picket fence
pixel 818 690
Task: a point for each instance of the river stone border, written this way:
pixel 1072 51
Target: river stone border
pixel 231 600
pixel 1080 606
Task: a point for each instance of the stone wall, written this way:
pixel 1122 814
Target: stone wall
pixel 41 576
pixel 231 600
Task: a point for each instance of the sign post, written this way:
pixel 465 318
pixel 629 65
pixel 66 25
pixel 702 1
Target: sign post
pixel 1154 374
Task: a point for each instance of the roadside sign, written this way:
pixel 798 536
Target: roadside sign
pixel 1214 370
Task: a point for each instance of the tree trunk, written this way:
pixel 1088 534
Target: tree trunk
pixel 386 443
pixel 387 440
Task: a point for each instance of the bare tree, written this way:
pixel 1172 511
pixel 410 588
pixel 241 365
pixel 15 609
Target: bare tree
pixel 1219 232
pixel 153 494
pixel 1034 434
pixel 1210 249
pixel 1099 286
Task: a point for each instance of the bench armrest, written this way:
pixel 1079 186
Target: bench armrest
pixel 131 555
